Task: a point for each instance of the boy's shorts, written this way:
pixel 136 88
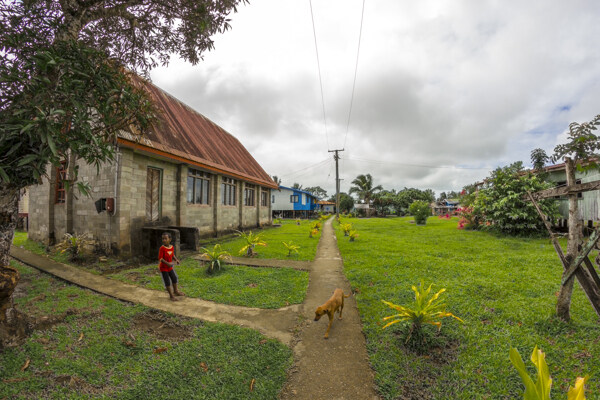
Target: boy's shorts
pixel 169 276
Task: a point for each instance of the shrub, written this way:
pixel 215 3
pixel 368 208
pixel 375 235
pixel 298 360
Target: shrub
pixel 346 227
pixel 252 240
pixel 353 235
pixel 76 246
pixel 420 209
pixel 291 246
pixel 426 309
pixel 215 257
pixel 501 205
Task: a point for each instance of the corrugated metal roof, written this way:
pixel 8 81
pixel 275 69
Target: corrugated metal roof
pixel 186 135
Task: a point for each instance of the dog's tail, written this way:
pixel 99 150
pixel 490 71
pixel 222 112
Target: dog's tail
pixel 346 295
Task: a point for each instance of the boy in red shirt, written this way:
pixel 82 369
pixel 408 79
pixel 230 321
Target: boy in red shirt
pixel 166 255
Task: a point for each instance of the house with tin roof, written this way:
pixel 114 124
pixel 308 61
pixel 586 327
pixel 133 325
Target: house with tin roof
pixel 187 175
pixel 292 203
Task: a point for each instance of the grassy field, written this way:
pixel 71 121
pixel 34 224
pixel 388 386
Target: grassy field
pixel 503 288
pixel 274 237
pixel 92 346
pixel 233 284
pixel 236 285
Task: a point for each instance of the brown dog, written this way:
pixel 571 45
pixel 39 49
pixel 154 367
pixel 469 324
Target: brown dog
pixel 335 303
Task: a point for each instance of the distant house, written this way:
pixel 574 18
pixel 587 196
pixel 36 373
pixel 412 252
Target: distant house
pixel 444 207
pixel 588 202
pixel 292 203
pixel 327 207
pixel 187 175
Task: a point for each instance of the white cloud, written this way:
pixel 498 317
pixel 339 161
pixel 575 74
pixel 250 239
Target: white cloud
pixel 466 83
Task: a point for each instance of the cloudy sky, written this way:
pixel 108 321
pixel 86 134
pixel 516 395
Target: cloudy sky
pixel 445 91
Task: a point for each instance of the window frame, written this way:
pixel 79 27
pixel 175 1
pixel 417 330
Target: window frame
pixel 264 196
pixel 294 198
pixel 249 195
pixel 228 191
pixel 204 179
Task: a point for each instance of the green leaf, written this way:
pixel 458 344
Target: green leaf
pixel 517 361
pixel 27 159
pixel 52 145
pixel 3 175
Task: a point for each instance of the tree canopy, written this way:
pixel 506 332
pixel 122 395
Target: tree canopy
pixel 363 187
pixel 317 191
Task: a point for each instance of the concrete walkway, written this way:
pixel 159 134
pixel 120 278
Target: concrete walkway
pixel 334 369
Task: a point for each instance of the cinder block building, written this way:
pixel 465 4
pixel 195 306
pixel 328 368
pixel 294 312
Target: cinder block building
pixel 186 172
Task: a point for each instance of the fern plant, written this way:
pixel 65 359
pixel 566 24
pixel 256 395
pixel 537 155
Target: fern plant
pixel 291 247
pixel 215 257
pixel 540 390
pixel 252 241
pixel 426 309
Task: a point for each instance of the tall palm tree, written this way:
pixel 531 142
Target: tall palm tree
pixel 277 180
pixel 363 187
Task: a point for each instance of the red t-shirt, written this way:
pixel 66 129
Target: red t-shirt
pixel 166 253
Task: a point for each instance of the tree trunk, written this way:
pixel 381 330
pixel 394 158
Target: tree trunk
pixel 563 303
pixel 13 325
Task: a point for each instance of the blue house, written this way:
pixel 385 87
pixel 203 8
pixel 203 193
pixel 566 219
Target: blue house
pixel 292 203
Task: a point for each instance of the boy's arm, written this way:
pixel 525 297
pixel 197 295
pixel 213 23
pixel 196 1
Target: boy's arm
pixel 176 259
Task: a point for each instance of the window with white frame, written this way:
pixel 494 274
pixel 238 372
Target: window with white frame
pixel 198 187
pixel 294 198
pixel 228 190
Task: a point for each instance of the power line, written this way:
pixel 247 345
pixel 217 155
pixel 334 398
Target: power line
pixel 362 15
pixel 309 167
pixel 319 68
pixel 416 165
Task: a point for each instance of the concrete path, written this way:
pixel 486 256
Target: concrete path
pixel 333 369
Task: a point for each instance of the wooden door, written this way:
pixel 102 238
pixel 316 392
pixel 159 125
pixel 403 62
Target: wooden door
pixel 153 194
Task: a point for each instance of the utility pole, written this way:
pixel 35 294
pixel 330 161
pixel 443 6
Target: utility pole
pixel 336 157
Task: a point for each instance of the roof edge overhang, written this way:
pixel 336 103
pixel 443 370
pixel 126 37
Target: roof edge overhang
pixel 182 157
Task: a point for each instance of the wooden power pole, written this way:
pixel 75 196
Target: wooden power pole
pixel 336 157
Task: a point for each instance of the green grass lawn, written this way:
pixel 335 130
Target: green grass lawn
pixel 92 346
pixel 274 237
pixel 503 288
pixel 233 284
pixel 237 285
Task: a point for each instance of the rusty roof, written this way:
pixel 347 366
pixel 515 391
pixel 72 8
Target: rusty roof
pixel 187 136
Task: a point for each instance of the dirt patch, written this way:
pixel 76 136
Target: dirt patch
pixel 48 321
pixel 22 288
pixel 79 385
pixel 160 325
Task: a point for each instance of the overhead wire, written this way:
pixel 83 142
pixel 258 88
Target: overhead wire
pixel 319 69
pixel 362 15
pixel 415 165
pixel 322 162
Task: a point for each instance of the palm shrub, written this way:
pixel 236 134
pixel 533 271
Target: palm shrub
pixel 291 247
pixel 420 209
pixel 317 225
pixel 215 257
pixel 540 390
pixel 252 241
pixel 346 228
pixel 313 232
pixel 353 235
pixel 75 245
pixel 426 309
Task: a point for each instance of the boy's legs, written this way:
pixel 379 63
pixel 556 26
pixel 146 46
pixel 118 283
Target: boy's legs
pixel 167 280
pixel 175 280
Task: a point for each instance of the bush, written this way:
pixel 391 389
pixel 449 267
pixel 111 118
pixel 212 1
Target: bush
pixel 501 206
pixel 420 210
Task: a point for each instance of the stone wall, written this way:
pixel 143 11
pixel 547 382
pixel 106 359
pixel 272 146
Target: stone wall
pixel 122 231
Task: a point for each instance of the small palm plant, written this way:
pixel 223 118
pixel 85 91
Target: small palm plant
pixel 291 247
pixel 313 232
pixel 252 240
pixel 353 235
pixel 427 309
pixel 297 221
pixel 75 245
pixel 540 390
pixel 346 228
pixel 316 225
pixel 215 257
